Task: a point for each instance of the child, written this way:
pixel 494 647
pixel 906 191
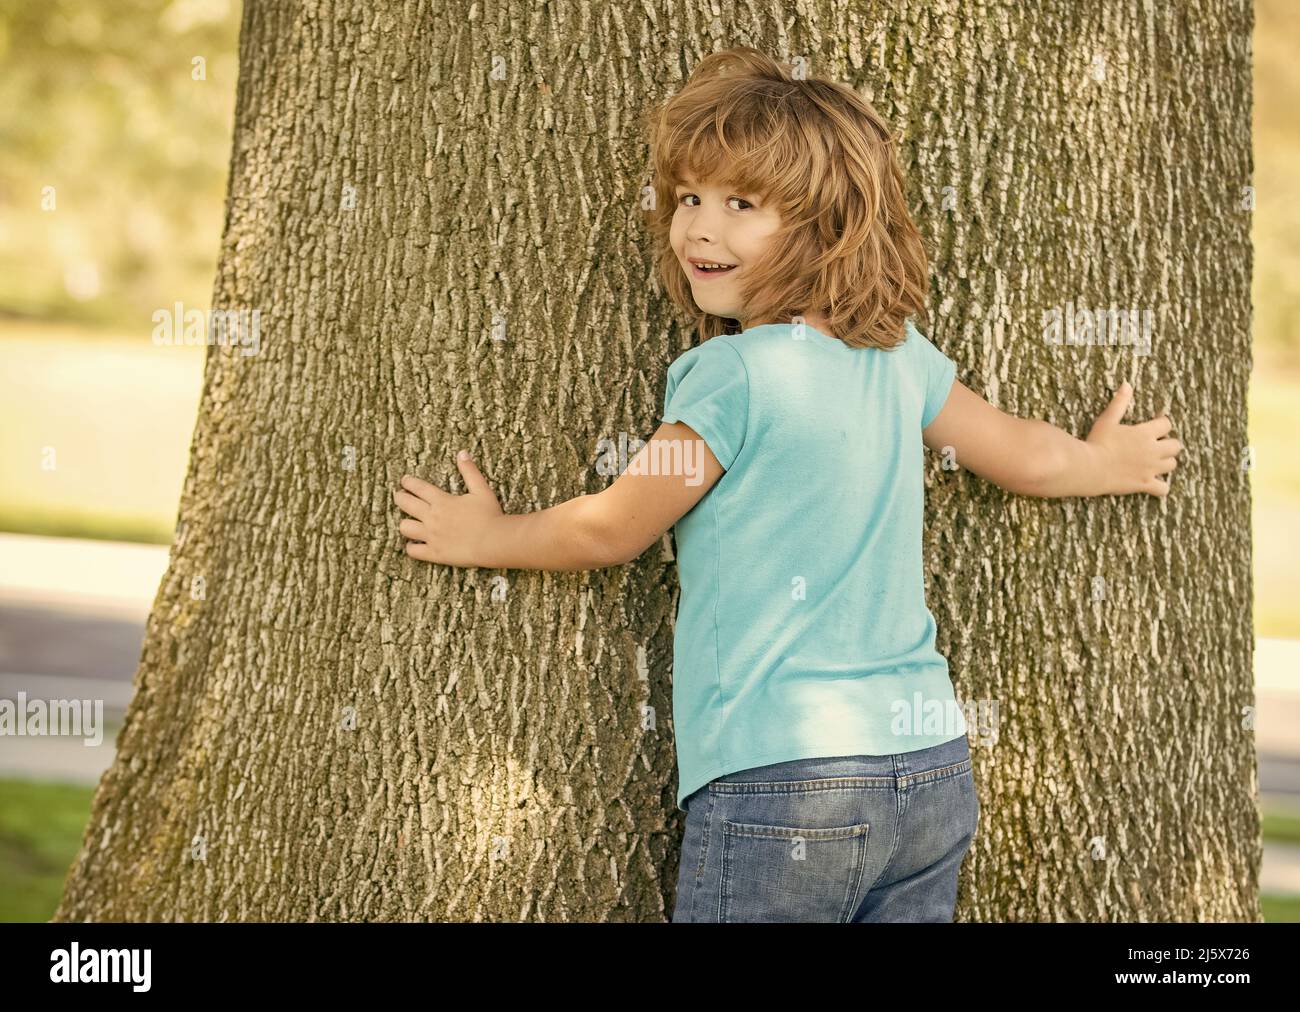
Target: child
pixel 817 784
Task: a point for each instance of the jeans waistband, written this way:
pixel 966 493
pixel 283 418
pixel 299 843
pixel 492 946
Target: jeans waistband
pixel 898 764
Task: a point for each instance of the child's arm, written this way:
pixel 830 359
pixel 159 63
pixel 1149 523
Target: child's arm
pixel 1033 457
pixel 609 528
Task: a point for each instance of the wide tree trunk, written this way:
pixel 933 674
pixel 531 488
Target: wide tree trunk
pixel 439 219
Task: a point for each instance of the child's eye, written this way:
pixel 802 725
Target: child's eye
pixel 729 199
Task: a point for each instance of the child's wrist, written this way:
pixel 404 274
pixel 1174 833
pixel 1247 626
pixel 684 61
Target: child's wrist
pixel 1099 468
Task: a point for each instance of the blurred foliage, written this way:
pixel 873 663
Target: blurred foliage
pixel 106 109
pixel 1276 223
pixel 99 101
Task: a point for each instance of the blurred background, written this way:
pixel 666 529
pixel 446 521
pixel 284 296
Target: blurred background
pixel 113 160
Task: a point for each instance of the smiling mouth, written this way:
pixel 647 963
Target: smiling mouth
pixel 710 272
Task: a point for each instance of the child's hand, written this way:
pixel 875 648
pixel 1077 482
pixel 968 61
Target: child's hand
pixel 451 529
pixel 1130 457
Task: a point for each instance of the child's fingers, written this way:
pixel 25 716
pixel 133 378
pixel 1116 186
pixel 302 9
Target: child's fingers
pixel 1159 425
pixel 1114 411
pixel 413 529
pixel 1169 447
pixel 411 504
pixel 427 492
pixel 419 550
pixel 474 480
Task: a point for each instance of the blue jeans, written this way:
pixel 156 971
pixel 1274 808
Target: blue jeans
pixel 844 839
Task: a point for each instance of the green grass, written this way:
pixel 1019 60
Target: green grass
pixel 1280 909
pixel 1280 826
pixel 75 524
pixel 40 834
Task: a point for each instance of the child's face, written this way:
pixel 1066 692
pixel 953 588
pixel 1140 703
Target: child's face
pixel 713 223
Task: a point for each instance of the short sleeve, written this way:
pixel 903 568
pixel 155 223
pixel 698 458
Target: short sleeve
pixel 708 389
pixel 937 372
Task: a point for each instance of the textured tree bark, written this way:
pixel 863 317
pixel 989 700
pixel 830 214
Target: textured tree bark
pixel 1098 157
pixel 438 215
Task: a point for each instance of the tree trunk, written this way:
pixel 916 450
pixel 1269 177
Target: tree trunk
pixel 438 217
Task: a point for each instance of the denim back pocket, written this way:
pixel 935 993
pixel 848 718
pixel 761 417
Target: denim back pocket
pixel 786 873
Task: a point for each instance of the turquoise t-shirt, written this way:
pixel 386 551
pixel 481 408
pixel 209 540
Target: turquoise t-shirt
pixel 802 629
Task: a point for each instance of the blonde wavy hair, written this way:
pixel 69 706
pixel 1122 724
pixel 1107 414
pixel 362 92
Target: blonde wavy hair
pixel 828 162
